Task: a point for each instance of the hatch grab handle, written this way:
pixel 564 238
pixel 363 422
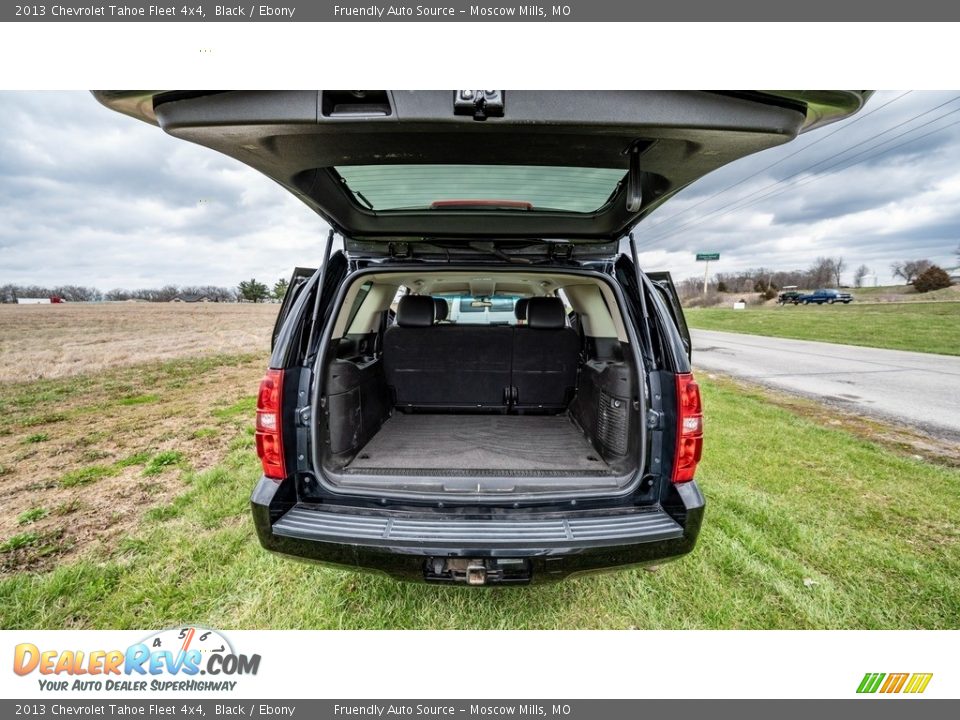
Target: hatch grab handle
pixel 634 189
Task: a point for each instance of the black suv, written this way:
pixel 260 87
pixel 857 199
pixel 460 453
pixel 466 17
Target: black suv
pixel 546 424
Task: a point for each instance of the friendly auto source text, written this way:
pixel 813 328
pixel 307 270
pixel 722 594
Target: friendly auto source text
pixel 520 11
pixel 520 709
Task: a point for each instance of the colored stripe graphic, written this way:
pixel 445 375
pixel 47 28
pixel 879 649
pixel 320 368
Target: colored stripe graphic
pixel 870 682
pixel 894 683
pixel 918 682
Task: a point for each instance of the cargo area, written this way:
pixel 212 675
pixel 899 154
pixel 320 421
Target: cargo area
pixel 514 393
pixel 479 444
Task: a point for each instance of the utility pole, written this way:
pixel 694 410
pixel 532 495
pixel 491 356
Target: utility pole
pixel 706 258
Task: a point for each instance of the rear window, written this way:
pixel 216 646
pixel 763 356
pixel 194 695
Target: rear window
pixel 469 310
pixel 409 187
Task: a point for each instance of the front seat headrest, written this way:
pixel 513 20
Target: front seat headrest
pixel 520 309
pixel 415 311
pixel 441 309
pixel 546 313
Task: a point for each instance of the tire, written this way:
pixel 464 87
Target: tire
pixel 831 301
pixel 805 302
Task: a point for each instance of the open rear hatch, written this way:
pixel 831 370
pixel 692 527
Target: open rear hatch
pixel 419 405
pixel 583 166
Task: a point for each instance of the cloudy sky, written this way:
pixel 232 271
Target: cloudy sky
pixel 94 198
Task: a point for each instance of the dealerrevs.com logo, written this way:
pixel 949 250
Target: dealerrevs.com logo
pixel 179 659
pixel 891 683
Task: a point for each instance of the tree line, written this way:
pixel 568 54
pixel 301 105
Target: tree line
pixel 71 293
pixel 824 272
pixel 247 291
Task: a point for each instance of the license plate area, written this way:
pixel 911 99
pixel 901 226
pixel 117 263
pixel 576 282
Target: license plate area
pixel 478 572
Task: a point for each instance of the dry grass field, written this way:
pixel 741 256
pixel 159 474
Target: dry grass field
pixel 103 406
pixel 51 341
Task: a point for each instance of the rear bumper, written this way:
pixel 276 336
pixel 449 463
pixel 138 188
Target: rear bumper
pixel 418 544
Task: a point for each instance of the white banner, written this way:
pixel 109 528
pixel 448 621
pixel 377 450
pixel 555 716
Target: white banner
pixel 465 664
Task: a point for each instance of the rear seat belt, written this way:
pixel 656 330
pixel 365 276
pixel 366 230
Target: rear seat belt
pixel 511 393
pixel 584 356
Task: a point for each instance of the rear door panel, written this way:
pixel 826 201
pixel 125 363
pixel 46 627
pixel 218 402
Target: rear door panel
pixel 296 335
pixel 297 283
pixel 663 282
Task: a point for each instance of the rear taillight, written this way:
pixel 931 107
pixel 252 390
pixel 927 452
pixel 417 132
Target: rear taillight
pixel 689 429
pixel 270 427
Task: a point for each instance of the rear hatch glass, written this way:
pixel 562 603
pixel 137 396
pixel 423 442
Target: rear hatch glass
pixel 522 187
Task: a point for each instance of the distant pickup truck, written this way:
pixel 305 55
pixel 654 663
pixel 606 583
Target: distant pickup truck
pixel 825 296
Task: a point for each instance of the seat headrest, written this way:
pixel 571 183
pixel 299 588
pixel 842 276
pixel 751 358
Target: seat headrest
pixel 415 311
pixel 520 309
pixel 441 309
pixel 546 313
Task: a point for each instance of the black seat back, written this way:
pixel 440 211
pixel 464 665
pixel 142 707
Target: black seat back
pixel 545 357
pixel 520 309
pixel 445 366
pixel 441 309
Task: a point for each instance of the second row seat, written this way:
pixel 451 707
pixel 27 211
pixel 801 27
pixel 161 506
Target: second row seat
pixel 472 366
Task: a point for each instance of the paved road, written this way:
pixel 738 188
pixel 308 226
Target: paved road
pixel 915 389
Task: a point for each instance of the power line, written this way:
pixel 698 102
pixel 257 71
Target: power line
pixel 804 149
pixel 736 204
pixel 808 180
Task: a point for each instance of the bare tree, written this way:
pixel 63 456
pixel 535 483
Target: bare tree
pixel 820 273
pixel 910 269
pixel 859 275
pixel 838 266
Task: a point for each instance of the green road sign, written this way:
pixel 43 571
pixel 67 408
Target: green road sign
pixel 707 257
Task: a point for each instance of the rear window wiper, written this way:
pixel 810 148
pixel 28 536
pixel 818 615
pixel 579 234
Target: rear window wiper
pixel 361 198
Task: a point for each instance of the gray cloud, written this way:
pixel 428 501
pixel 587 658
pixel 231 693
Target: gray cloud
pixel 91 197
pixel 864 189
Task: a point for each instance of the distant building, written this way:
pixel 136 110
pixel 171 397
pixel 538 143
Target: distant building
pixel 187 298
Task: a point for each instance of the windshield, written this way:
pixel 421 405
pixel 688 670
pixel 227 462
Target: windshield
pixel 524 187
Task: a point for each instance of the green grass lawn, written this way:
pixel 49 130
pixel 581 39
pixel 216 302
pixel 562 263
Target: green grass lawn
pixel 921 327
pixel 904 293
pixel 807 526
